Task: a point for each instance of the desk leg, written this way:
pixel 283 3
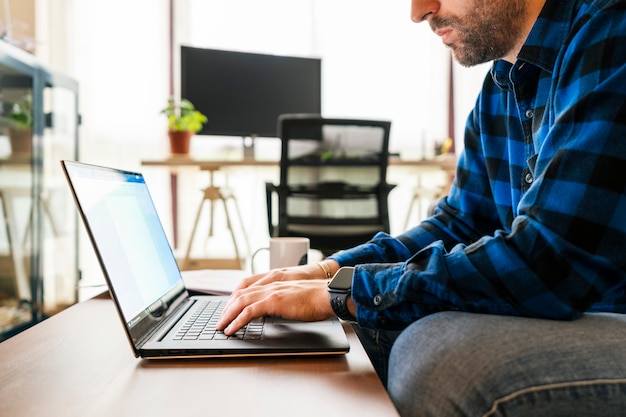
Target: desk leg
pixel 174 193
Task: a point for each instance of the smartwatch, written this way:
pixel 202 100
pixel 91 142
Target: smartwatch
pixel 339 290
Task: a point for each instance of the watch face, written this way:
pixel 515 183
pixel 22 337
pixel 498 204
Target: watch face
pixel 342 279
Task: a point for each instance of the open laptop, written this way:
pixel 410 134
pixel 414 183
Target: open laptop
pixel 148 290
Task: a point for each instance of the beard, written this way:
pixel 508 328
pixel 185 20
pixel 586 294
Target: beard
pixel 491 32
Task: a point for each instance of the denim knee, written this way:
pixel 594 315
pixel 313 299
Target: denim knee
pixel 461 364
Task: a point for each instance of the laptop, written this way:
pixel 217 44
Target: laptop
pixel 161 317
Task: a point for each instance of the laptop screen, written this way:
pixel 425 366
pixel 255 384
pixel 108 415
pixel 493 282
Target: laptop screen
pixel 130 242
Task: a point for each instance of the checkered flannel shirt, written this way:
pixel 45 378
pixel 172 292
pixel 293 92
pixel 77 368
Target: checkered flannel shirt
pixel 535 222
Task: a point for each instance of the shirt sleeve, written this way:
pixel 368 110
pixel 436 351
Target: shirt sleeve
pixel 564 250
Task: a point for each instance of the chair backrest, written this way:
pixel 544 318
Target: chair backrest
pixel 332 179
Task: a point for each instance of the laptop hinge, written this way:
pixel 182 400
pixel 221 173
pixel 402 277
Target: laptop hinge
pixel 167 322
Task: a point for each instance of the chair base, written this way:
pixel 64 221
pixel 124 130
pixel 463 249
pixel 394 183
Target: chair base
pixel 212 195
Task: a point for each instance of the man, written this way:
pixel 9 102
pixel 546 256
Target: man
pixel 534 228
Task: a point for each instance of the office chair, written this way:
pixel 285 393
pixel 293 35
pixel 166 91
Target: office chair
pixel 333 186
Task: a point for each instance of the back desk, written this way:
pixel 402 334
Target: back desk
pixel 79 363
pixel 444 162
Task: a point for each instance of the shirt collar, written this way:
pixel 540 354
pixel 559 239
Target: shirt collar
pixel 543 43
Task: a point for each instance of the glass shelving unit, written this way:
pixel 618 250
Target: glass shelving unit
pixel 38 222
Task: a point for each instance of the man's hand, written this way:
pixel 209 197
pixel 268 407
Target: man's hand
pixel 304 300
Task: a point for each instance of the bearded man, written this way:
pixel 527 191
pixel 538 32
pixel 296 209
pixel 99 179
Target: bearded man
pixel 509 299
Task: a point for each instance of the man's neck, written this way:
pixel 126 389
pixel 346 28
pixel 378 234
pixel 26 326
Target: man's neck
pixel 534 9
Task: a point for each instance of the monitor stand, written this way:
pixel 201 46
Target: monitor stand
pixel 248 147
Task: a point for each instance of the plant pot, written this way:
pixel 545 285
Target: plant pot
pixel 21 141
pixel 179 141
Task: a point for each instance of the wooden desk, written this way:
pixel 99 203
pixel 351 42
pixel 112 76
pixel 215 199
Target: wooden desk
pixel 445 162
pixel 78 363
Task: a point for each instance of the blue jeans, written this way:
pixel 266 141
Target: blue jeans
pixel 462 364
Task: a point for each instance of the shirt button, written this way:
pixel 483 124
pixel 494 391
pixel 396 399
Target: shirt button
pixel 528 178
pixel 378 300
pixel 530 113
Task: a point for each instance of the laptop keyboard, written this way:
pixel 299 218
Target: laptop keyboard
pixel 201 325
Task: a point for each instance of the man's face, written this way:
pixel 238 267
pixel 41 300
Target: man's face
pixel 476 31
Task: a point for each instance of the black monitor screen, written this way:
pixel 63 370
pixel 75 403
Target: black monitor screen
pixel 242 94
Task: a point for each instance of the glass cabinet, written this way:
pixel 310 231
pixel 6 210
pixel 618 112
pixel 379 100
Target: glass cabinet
pixel 38 221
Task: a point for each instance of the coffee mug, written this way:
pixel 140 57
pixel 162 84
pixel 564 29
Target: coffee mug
pixel 286 251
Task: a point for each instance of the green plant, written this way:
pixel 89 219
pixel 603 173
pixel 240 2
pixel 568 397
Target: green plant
pixel 21 114
pixel 183 116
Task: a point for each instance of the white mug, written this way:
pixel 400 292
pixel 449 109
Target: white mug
pixel 286 251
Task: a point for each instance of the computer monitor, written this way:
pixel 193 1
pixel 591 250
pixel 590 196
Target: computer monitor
pixel 242 93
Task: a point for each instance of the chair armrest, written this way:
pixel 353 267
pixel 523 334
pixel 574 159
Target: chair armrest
pixel 270 189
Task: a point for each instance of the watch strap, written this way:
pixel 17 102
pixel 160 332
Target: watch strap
pixel 339 304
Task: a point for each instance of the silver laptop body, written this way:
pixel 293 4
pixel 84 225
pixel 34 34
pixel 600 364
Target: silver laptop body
pixel 146 285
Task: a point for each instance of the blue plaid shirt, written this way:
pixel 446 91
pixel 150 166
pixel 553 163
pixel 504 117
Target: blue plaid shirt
pixel 535 222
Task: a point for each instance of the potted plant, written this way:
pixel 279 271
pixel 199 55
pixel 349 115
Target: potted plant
pixel 183 122
pixel 20 129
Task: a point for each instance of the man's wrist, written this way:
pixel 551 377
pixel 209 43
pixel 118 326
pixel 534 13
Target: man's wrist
pixel 351 306
pixel 328 274
pixel 339 289
pixel 329 268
